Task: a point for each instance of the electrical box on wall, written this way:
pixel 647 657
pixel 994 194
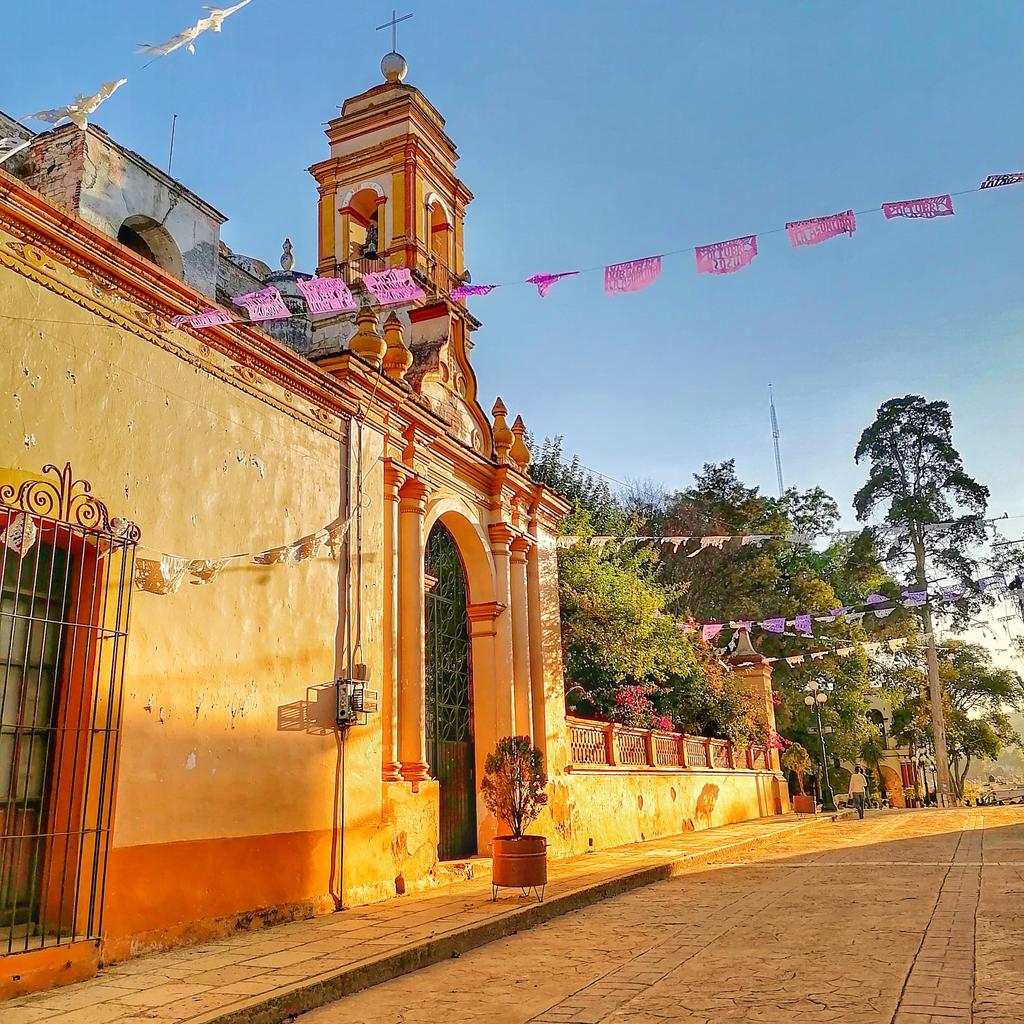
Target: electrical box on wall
pixel 355 702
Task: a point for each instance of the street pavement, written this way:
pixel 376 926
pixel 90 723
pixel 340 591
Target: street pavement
pixel 910 917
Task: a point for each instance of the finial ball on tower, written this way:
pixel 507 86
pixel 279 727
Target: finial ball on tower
pixel 394 67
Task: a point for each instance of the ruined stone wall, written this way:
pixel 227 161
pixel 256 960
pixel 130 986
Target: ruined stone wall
pixel 54 165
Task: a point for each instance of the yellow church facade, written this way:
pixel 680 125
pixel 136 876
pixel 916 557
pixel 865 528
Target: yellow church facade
pixel 205 529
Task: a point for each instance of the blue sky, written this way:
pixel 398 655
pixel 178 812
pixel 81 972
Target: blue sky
pixel 593 132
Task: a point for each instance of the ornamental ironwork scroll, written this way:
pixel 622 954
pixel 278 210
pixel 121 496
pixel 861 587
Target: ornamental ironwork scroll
pixel 68 500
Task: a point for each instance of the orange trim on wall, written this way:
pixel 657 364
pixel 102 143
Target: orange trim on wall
pixel 164 893
pixel 38 969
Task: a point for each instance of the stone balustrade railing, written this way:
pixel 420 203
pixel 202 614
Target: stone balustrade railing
pixel 611 745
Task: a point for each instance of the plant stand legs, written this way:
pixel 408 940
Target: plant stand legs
pixel 537 890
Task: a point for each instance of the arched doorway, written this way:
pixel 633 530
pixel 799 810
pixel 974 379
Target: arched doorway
pixel 449 696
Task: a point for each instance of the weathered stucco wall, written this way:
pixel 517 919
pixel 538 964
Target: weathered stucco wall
pixel 227 803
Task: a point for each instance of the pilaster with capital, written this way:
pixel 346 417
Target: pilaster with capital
pixel 519 550
pixel 412 715
pixel 501 537
pixel 391 768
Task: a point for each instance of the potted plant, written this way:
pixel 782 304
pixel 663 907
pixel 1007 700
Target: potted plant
pixel 513 790
pixel 796 759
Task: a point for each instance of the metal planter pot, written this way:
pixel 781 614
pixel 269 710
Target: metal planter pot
pixel 520 863
pixel 803 804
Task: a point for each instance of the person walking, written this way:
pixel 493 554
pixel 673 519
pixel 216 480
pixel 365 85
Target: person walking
pixel 858 789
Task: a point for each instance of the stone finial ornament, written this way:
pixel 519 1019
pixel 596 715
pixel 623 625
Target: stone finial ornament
pixel 519 452
pixel 366 342
pixel 503 439
pixel 397 357
pixel 394 67
pixel 287 260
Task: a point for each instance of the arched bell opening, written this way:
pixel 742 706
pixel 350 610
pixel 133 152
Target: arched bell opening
pixel 364 218
pixel 153 242
pixel 440 229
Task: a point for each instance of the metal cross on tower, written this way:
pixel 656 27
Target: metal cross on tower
pixel 394 23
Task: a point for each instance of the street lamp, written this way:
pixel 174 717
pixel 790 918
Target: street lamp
pixel 815 698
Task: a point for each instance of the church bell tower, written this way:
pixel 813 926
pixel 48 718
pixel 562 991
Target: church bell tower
pixel 390 197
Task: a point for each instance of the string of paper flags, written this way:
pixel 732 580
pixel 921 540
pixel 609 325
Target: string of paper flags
pixel 877 604
pixel 395 286
pixel 704 542
pixel 868 647
pixel 732 255
pixel 716 541
pixel 79 109
pixel 165 575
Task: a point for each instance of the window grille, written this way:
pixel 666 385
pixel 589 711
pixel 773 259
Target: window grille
pixel 65 591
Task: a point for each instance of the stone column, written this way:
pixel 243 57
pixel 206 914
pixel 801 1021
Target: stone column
pixel 755 673
pixel 501 536
pixel 412 701
pixel 391 769
pixel 520 548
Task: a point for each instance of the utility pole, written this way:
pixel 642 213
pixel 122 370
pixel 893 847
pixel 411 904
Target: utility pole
pixel 944 791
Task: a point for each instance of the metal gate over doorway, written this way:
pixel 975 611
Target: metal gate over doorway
pixel 449 703
pixel 65 587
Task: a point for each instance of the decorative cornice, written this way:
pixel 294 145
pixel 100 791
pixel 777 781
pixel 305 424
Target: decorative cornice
pixel 413 494
pixel 521 546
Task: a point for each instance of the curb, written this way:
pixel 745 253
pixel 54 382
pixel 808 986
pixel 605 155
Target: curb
pixel 290 1000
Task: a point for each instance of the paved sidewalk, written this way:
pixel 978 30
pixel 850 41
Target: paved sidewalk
pixel 260 977
pixel 904 918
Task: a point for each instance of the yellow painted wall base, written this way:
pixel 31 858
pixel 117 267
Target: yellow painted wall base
pixel 39 969
pixel 593 810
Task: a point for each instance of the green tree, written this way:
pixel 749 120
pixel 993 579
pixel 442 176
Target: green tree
pixel 624 657
pixel 596 510
pixel 808 568
pixel 979 697
pixel 918 476
pixel 796 759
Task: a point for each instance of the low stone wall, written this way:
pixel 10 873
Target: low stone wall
pixel 628 785
pixel 592 809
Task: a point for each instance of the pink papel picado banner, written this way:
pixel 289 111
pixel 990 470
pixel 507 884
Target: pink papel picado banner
pixel 464 291
pixel 632 276
pixel 327 295
pixel 933 206
pixel 393 286
pixel 995 180
pixel 545 281
pixel 206 318
pixel 821 229
pixel 265 304
pixel 726 257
